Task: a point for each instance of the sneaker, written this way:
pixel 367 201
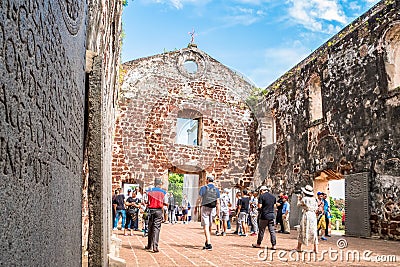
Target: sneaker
pixel 324 238
pixel 223 234
pixel 216 233
pixel 207 247
pixel 253 234
pixel 243 235
pixel 115 229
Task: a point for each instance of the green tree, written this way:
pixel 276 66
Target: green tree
pixel 335 212
pixel 176 186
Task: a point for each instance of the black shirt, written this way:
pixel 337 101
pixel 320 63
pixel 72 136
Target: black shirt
pixel 244 204
pixel 267 202
pixel 133 200
pixel 119 200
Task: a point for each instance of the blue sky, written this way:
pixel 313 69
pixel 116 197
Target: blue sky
pixel 262 39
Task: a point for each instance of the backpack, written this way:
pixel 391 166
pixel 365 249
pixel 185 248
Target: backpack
pixel 209 198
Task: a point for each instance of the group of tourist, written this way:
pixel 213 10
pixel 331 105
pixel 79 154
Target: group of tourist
pixel 174 212
pixel 128 208
pixel 256 210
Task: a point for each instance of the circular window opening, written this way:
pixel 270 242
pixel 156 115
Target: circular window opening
pixel 190 66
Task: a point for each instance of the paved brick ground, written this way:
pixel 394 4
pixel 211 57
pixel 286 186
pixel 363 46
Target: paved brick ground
pixel 181 245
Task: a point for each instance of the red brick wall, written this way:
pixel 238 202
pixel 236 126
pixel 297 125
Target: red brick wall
pixel 144 141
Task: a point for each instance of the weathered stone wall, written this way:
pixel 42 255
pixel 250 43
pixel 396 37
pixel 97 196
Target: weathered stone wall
pixel 103 59
pixel 360 128
pixel 42 99
pixel 155 92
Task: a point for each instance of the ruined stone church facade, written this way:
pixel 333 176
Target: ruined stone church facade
pixel 159 90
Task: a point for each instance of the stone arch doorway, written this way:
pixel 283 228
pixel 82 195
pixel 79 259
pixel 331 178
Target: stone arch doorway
pixel 192 181
pixel 323 183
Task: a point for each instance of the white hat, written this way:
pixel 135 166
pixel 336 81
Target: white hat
pixel 226 190
pixel 308 190
pixel 263 188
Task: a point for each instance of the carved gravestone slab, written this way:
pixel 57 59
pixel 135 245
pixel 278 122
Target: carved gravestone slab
pixel 42 87
pixel 357 205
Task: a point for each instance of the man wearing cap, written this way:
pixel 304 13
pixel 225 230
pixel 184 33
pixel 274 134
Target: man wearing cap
pixel 266 206
pixel 209 197
pixel 157 200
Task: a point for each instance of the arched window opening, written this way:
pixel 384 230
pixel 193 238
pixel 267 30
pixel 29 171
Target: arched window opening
pixel 392 60
pixel 315 99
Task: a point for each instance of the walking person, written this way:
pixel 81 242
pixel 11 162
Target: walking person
pixel 308 224
pixel 157 200
pixel 185 203
pixel 266 206
pixel 209 197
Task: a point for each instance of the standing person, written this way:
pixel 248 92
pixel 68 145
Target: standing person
pixel 321 222
pixel 185 209
pixel 171 208
pixel 279 205
pixel 209 197
pixel 285 215
pixel 238 225
pixel 114 206
pixel 225 204
pixel 308 224
pixel 327 213
pixel 244 212
pixel 132 212
pixel 120 209
pixel 254 212
pixel 266 206
pixel 165 211
pixel 157 200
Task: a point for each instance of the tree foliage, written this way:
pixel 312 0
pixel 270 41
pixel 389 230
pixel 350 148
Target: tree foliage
pixel 176 186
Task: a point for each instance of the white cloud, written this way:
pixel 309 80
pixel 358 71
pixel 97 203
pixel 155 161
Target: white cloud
pixel 312 14
pixel 243 16
pixel 354 6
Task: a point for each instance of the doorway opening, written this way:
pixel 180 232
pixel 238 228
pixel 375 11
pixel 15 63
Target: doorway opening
pixel 185 189
pixel 333 185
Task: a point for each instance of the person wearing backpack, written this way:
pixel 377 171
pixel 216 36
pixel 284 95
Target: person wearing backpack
pixel 209 197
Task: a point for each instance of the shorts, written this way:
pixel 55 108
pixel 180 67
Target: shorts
pixel 206 216
pixel 224 215
pixel 242 217
pixel 185 212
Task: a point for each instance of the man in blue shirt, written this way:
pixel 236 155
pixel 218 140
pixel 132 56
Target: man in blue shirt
pixel 209 197
pixel 327 213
